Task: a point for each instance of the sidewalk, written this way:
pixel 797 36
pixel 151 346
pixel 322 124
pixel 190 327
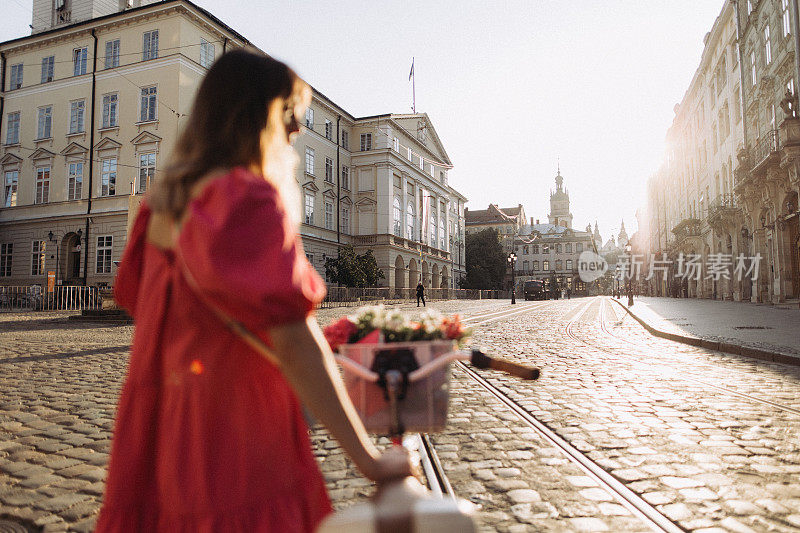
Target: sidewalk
pixel 747 329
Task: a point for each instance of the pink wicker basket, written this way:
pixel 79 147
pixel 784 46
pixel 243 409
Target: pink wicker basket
pixel 424 405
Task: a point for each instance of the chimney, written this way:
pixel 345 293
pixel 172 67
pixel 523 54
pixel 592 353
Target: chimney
pixel 531 221
pixel 537 220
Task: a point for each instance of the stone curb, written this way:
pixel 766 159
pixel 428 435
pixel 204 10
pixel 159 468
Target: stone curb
pixel 736 349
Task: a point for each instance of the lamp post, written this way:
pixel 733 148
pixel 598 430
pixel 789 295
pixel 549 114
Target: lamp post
pixel 616 277
pixel 512 258
pixel 628 282
pixel 52 237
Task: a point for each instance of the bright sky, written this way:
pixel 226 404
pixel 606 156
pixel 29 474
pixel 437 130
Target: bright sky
pixel 511 86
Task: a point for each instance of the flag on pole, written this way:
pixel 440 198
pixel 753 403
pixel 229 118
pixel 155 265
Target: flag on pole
pixel 411 74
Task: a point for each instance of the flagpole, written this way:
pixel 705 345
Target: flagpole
pixel 413 88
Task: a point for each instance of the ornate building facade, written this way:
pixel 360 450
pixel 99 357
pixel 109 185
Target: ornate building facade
pixel 93 100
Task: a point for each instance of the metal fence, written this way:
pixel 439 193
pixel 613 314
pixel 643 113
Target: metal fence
pixel 352 296
pixel 63 298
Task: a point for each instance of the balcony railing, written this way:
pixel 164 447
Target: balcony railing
pixel 389 239
pixel 767 145
pixel 688 227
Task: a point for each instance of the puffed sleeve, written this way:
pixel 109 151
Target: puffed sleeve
pixel 245 255
pixel 129 272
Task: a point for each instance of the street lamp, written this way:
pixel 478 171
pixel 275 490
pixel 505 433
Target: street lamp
pixel 52 237
pixel 628 250
pixel 616 276
pixel 512 258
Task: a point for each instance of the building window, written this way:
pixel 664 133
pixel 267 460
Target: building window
pixel 16 77
pixel 568 247
pixel 6 252
pixel 346 178
pixel 328 130
pixel 525 250
pixel 558 248
pixel 47 68
pixel 75 181
pixel 104 248
pixel 310 118
pixel 108 177
pixel 545 248
pixel 76 112
pixel 767 47
pixel 536 265
pixel 42 185
pixel 328 215
pixel 579 247
pixel 421 163
pixel 410 222
pixel 409 154
pixel 37 258
pixel 366 142
pixel 329 170
pixel 396 144
pixel 149 104
pixel 112 54
pixel 443 177
pixel 110 110
pixel 309 208
pixel 10 181
pixel 309 160
pixel 150 45
pixel 346 220
pixel 345 140
pixel 753 68
pixel 147 170
pixel 569 264
pixel 786 24
pixel 12 130
pixel 559 264
pixel 545 265
pixel 442 235
pixel 45 123
pixel 79 56
pixel 534 248
pixel 206 53
pixel 432 229
pixel 397 215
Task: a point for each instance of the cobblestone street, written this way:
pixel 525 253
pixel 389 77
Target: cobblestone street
pixel 711 441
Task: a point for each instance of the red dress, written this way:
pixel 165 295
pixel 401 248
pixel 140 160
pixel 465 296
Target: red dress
pixel 209 436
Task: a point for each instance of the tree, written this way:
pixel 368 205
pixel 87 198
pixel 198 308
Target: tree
pixel 485 261
pixel 353 270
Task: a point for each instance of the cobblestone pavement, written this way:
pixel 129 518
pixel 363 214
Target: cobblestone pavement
pixel 644 408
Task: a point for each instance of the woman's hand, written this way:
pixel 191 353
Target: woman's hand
pixel 393 464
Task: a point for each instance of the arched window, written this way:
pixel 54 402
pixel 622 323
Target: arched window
pixel 397 212
pixel 410 222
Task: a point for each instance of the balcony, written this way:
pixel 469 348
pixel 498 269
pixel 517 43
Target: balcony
pixel 724 208
pixel 386 239
pixel 686 229
pixel 766 151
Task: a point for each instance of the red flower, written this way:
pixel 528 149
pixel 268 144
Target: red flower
pixel 452 327
pixel 339 332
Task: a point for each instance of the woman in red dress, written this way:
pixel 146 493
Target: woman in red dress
pixel 209 433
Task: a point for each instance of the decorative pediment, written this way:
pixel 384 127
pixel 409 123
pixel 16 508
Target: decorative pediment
pixel 329 194
pixel 107 143
pixel 346 200
pixel 367 201
pixel 10 159
pixel 41 153
pixel 146 138
pixel 74 149
pixel 309 186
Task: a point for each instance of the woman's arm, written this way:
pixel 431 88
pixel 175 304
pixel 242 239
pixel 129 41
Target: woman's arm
pixel 308 364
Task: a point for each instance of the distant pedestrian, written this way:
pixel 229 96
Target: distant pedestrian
pixel 569 293
pixel 420 294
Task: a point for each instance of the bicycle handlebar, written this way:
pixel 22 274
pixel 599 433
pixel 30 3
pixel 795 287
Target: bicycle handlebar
pixel 477 358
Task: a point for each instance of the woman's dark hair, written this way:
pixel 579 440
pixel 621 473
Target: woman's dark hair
pixel 225 126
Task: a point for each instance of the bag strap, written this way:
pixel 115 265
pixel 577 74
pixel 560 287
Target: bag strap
pixel 236 327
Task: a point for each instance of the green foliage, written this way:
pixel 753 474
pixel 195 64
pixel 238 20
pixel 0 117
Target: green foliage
pixel 485 261
pixel 353 270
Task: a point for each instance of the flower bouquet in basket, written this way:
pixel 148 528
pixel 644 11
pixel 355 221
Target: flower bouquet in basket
pixel 376 345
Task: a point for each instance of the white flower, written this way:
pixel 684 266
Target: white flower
pixel 431 320
pixel 396 321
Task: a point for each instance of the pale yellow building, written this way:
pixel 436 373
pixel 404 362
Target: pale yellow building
pixel 93 101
